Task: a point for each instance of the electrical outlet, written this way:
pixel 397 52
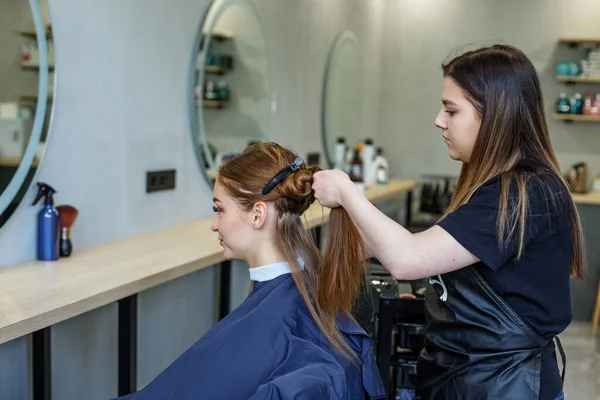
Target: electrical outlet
pixel 160 180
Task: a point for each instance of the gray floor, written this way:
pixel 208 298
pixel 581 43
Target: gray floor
pixel 582 379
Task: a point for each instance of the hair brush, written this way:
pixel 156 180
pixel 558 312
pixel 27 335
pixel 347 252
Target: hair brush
pixel 67 215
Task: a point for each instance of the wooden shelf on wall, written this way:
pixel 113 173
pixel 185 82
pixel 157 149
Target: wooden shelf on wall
pixel 215 104
pixel 577 117
pixel 35 66
pixel 15 162
pixel 219 35
pixel 586 198
pixel 32 34
pixel 32 98
pixel 574 41
pixel 577 79
pixel 213 69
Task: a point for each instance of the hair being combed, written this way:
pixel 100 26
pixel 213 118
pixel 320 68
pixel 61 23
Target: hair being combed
pixel 503 86
pixel 329 284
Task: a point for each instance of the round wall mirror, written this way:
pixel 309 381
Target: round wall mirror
pixel 233 99
pixel 342 109
pixel 26 86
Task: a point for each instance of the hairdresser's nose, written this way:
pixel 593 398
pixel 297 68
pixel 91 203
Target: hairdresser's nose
pixel 440 121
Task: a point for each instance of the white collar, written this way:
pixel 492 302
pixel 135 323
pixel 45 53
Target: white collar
pixel 272 271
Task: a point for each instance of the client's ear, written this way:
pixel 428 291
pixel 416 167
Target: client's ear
pixel 258 214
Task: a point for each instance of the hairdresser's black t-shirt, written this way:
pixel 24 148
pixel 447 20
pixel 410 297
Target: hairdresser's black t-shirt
pixel 537 287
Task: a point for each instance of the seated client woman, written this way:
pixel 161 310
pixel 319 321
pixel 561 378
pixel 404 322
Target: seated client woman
pixel 294 336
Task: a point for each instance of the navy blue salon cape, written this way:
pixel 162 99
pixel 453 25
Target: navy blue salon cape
pixel 270 348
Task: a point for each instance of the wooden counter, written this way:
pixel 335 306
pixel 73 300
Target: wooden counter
pixel 35 295
pixel 587 198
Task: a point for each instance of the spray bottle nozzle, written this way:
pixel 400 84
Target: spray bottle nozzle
pixel 46 191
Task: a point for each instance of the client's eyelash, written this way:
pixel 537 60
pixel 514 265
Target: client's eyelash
pixel 216 209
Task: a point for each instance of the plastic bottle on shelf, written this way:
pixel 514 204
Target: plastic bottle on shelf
pixel 576 104
pixel 368 155
pixel 562 104
pixel 381 167
pixel 339 153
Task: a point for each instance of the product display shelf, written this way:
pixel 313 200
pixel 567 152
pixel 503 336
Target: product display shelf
pixel 577 79
pixel 577 117
pixel 32 98
pixel 35 66
pixel 575 41
pixel 215 104
pixel 32 34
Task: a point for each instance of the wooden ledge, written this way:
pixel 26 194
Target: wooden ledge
pixel 36 294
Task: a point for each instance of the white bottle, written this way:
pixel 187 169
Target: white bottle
pixel 368 156
pixel 339 154
pixel 348 157
pixel 381 168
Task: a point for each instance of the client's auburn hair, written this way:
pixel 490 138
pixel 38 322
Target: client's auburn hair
pixel 330 283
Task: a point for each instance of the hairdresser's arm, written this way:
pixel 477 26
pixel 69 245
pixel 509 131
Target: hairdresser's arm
pixel 406 255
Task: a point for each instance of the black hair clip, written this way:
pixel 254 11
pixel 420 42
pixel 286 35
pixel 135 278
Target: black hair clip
pixel 281 175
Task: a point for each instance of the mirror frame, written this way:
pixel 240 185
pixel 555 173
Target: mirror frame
pixel 197 121
pixel 19 179
pixel 341 38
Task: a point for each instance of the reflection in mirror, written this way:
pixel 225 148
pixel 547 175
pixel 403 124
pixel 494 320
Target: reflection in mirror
pixel 342 97
pixel 26 83
pixel 233 93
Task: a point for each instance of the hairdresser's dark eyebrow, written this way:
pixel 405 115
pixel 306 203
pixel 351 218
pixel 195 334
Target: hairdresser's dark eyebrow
pixel 216 200
pixel 449 103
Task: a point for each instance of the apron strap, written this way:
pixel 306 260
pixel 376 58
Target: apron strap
pixel 563 357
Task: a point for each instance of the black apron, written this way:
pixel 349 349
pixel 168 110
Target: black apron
pixel 476 346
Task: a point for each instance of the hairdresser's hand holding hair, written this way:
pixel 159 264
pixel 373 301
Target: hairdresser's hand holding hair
pixel 502 254
pixel 330 186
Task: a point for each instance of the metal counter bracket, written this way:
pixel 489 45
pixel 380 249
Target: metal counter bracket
pixel 127 368
pixel 41 378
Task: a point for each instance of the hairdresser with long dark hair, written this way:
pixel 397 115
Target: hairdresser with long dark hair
pixel 501 257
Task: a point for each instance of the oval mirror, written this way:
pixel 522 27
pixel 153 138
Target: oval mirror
pixel 233 100
pixel 342 108
pixel 26 85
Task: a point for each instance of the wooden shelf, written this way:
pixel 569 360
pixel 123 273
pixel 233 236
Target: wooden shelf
pixel 215 104
pixel 577 117
pixel 577 79
pixel 32 34
pixel 212 69
pixel 35 66
pixel 574 41
pixel 586 198
pixel 219 35
pixel 32 98
pixel 38 294
pixel 15 162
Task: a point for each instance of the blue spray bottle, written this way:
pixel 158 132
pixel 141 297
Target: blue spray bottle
pixel 48 226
